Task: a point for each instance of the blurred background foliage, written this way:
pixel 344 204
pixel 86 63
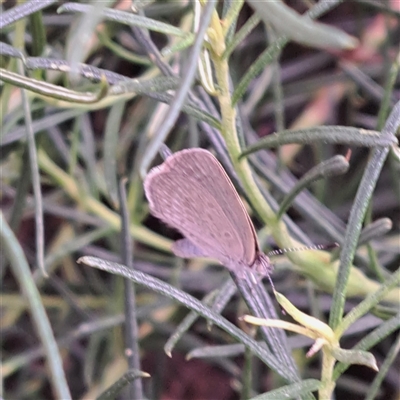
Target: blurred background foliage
pixel 302 114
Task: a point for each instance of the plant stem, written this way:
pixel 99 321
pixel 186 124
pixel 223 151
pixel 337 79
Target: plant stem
pixel 327 384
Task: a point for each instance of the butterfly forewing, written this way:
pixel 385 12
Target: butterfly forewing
pixel 191 192
pixel 207 168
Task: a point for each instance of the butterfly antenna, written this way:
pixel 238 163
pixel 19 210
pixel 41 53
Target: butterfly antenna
pixel 312 247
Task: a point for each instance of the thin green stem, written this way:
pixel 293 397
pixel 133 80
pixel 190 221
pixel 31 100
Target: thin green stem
pixel 327 384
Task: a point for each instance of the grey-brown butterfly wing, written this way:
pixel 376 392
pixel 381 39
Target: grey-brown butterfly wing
pixel 216 180
pixel 178 197
pixel 185 248
pixel 191 192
